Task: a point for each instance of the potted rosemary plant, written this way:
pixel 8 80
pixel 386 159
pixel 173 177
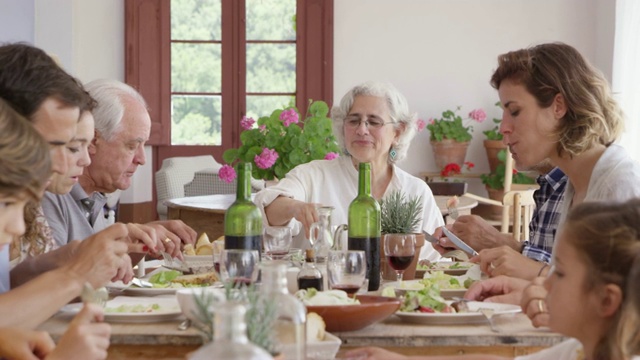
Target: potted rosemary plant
pixel 401 215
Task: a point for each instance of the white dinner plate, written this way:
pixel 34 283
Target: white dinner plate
pixel 169 309
pixel 464 318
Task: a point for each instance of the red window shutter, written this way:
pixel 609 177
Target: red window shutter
pixel 148 61
pixel 315 52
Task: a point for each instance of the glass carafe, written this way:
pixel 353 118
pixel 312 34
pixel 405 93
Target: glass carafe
pixel 320 234
pixel 230 341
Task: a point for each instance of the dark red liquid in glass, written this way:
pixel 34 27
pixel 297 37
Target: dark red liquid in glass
pixel 349 289
pixel 400 262
pixel 241 281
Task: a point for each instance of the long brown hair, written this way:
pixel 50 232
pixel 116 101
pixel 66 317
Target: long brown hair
pixel 25 165
pixel 607 237
pixel 629 330
pixel 593 116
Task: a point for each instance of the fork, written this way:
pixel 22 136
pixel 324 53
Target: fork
pixel 452 207
pixel 94 296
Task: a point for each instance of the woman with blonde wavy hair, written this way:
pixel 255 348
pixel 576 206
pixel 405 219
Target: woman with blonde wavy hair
pixel 557 106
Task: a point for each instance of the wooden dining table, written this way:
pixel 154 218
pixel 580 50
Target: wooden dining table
pixel 163 340
pixel 206 213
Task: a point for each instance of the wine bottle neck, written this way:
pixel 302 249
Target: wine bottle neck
pixel 364 179
pixel 243 190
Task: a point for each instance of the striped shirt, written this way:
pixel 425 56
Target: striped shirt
pixel 544 223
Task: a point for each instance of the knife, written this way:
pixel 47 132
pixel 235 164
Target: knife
pixel 459 243
pixel 430 238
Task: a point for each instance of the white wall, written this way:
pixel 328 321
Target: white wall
pixel 16 20
pixel 441 53
pixel 88 38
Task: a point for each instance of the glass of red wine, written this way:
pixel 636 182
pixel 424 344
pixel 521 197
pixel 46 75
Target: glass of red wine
pixel 400 249
pixel 239 266
pixel 346 270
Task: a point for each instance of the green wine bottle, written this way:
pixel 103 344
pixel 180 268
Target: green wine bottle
pixel 364 226
pixel 243 220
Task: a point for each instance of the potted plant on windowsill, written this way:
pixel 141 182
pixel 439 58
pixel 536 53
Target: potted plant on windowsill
pixel 450 136
pixel 494 183
pixel 400 215
pixel 282 141
pixel 493 144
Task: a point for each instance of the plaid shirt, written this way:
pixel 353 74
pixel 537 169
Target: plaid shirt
pixel 544 222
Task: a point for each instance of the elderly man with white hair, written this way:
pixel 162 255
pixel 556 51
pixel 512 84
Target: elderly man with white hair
pixel 122 127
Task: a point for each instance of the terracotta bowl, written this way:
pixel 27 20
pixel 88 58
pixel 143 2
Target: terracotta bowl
pixel 355 317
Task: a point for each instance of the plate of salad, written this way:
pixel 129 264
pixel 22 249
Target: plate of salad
pixel 134 309
pixel 448 267
pixel 167 282
pixel 448 286
pixel 427 306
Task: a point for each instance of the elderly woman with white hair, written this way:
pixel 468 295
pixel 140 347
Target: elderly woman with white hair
pixel 372 124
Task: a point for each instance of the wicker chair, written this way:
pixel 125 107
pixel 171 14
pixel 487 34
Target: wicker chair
pixel 175 173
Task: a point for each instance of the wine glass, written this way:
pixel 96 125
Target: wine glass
pixel 277 241
pixel 239 266
pixel 400 249
pixel 346 270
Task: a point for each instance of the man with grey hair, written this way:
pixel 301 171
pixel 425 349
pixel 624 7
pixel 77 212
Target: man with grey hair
pixel 122 127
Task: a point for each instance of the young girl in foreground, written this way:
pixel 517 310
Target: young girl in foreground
pixel 590 276
pixel 25 168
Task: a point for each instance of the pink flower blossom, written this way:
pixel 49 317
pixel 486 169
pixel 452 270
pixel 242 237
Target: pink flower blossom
pixel 331 156
pixel 289 116
pixel 478 115
pixel 247 123
pixel 227 173
pixel 266 159
pixel 421 124
pixel 431 121
pixel 262 127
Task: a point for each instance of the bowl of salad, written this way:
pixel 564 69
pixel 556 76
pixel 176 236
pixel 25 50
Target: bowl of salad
pixel 342 313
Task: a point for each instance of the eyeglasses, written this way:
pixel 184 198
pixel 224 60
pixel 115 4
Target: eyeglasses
pixel 374 123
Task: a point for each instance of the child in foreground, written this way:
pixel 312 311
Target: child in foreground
pixel 591 274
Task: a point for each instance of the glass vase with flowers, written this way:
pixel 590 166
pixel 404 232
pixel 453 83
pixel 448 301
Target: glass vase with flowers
pixel 282 141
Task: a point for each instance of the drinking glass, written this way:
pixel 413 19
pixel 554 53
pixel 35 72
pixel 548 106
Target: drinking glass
pixel 277 241
pixel 346 270
pixel 239 266
pixel 400 249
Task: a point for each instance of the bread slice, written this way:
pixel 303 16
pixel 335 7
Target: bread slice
pixel 315 327
pixel 189 250
pixel 202 240
pixel 196 279
pixel 206 249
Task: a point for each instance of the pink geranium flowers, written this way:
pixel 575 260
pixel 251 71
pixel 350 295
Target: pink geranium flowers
pixel 277 143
